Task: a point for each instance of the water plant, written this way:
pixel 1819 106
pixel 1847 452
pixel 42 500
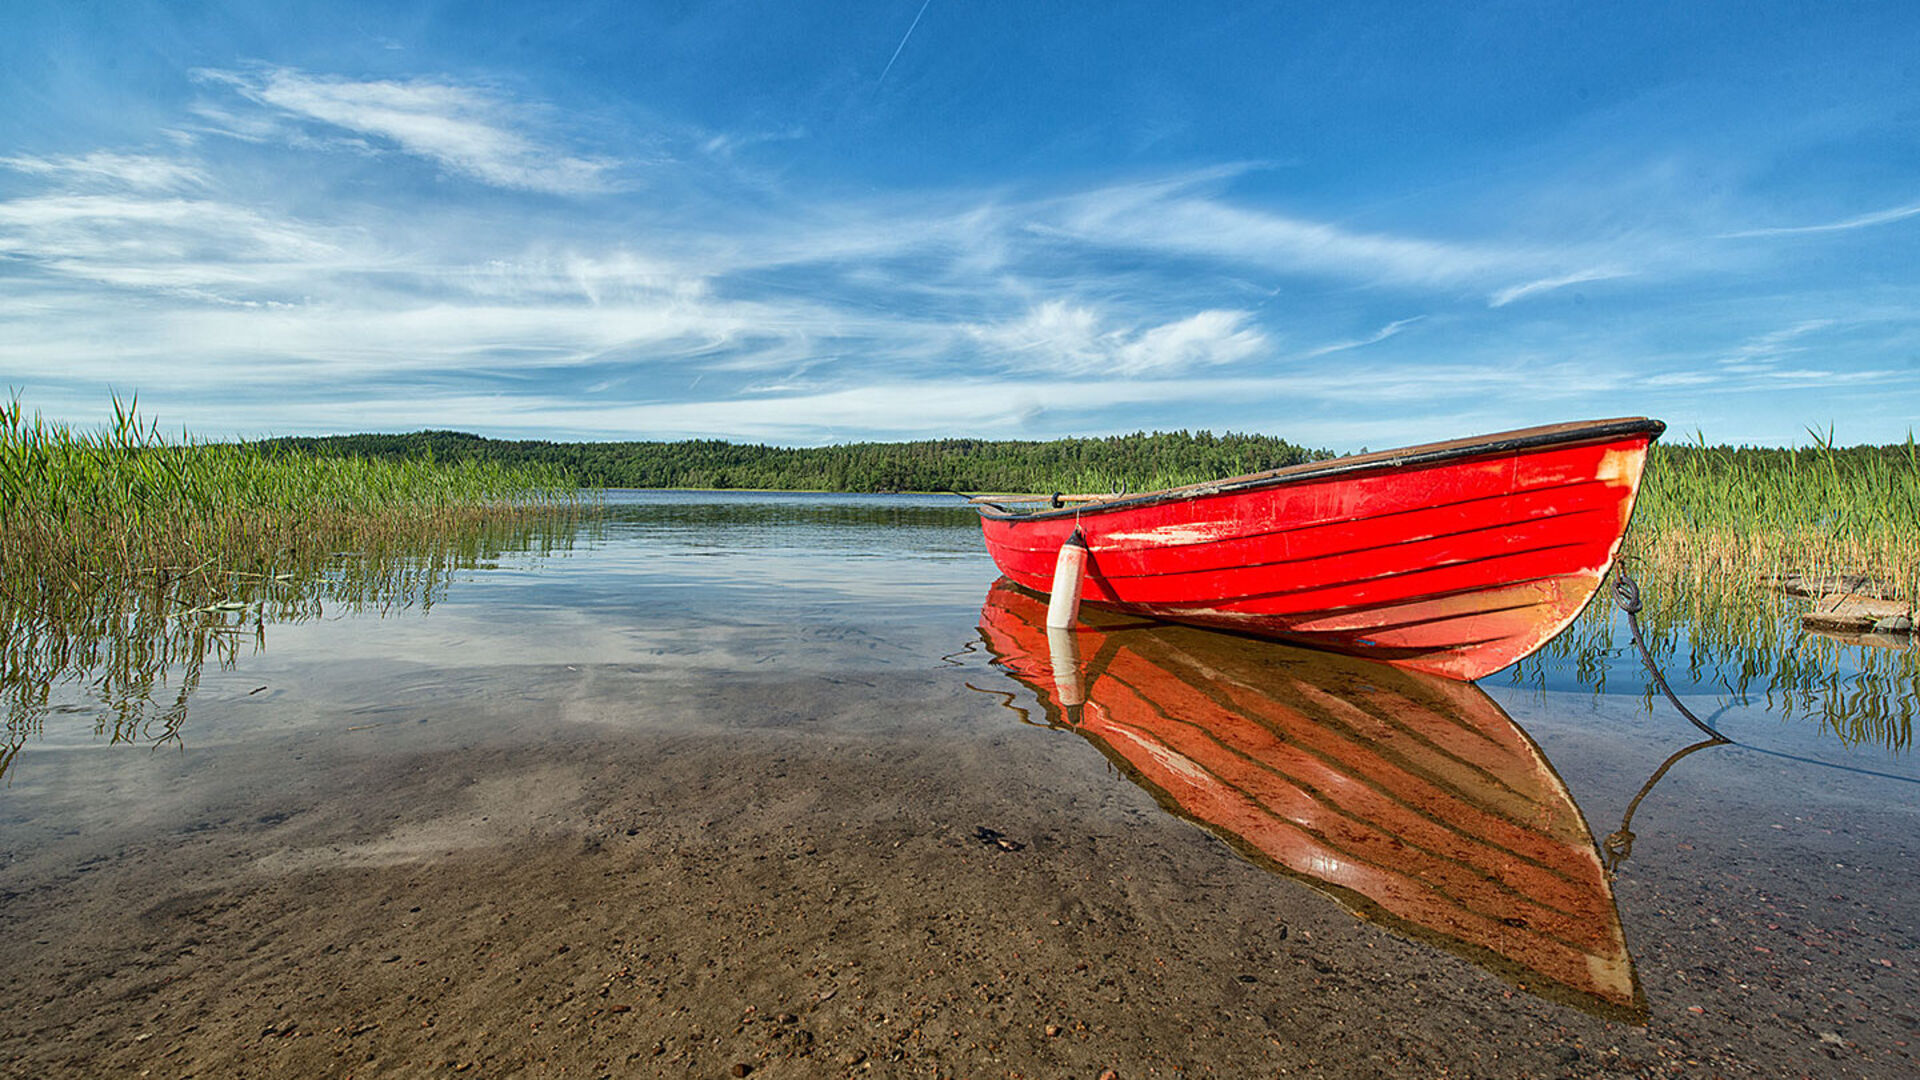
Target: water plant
pixel 1717 534
pixel 123 502
pixel 129 562
pixel 1729 521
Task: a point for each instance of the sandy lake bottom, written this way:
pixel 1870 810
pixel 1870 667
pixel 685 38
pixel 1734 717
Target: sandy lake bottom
pixel 737 788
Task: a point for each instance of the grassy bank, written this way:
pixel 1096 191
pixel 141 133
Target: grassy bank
pixel 1720 526
pixel 124 503
pixel 1716 531
pixel 129 563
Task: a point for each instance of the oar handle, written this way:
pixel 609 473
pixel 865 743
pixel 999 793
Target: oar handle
pixel 1041 498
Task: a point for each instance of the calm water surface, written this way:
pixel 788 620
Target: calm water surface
pixel 1535 768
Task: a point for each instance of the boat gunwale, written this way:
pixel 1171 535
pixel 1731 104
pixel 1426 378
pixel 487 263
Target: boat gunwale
pixel 1521 439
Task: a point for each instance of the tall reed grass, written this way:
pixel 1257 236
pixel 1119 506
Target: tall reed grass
pixel 1716 532
pixel 123 502
pixel 1727 520
pixel 128 562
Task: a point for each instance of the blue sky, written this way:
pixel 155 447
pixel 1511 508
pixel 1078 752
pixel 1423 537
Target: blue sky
pixel 1345 224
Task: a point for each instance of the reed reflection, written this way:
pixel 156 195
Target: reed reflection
pixel 126 657
pixel 1414 801
pixel 1862 690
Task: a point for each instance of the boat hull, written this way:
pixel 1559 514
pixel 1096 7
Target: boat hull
pixel 1456 559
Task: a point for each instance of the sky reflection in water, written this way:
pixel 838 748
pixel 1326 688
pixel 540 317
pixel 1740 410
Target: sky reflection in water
pixel 733 582
pixel 694 589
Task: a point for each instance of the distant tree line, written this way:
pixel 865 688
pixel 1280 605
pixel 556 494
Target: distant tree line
pixel 1137 462
pixel 1744 461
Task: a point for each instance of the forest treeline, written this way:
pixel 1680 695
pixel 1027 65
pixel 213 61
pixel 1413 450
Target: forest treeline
pixel 1137 462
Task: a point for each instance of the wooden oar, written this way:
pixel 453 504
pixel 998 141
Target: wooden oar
pixel 1055 498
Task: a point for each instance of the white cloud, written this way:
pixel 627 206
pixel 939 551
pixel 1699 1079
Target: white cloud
pixel 1765 350
pixel 1052 334
pixel 607 277
pixel 726 145
pixel 653 343
pixel 144 172
pixel 1428 404
pixel 1374 338
pixel 889 407
pixel 1503 297
pixel 131 240
pixel 1169 216
pixel 1058 336
pixel 1162 216
pixel 1863 221
pixel 1204 339
pixel 1682 378
pixel 465 129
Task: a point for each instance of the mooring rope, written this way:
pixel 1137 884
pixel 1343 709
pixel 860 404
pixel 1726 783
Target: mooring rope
pixel 1626 595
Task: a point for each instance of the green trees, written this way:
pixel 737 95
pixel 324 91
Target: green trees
pixel 1136 462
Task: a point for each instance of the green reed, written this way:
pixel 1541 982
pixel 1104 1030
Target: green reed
pixel 124 502
pixel 1717 531
pixel 128 562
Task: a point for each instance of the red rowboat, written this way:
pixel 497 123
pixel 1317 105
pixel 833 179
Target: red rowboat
pixel 1414 801
pixel 1456 558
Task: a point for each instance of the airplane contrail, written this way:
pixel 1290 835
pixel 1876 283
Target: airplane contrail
pixel 902 45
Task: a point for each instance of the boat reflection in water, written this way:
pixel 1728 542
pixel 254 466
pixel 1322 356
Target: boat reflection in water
pixel 1413 800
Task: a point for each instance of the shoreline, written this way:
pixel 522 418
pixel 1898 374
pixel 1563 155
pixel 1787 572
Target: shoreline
pixel 776 875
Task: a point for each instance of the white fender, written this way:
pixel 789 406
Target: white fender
pixel 1069 569
pixel 1065 653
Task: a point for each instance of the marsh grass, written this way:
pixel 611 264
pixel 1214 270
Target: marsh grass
pixel 128 564
pixel 1727 524
pixel 1716 531
pixel 124 503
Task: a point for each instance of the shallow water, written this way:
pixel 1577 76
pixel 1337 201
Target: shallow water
pixel 1765 882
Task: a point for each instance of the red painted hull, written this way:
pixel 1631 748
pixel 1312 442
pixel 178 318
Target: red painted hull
pixel 1453 558
pixel 1415 801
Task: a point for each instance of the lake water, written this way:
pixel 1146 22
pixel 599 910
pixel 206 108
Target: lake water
pixel 784 782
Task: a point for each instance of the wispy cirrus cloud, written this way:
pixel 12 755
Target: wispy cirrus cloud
pixel 1167 216
pixel 1176 216
pixel 1374 338
pixel 1764 351
pixel 1503 297
pixel 1807 354
pixel 143 241
pixel 1862 221
pixel 144 172
pixel 1020 406
pixel 465 129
